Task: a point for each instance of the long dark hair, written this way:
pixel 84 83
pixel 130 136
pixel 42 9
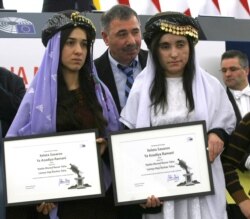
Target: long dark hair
pixel 158 93
pixel 87 87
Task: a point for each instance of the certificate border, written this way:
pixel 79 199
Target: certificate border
pixel 111 146
pixel 56 199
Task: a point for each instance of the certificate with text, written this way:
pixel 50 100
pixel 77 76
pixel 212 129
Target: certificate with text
pixel 168 162
pixel 51 168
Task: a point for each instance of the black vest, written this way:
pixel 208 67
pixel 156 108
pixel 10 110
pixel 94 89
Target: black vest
pixel 53 6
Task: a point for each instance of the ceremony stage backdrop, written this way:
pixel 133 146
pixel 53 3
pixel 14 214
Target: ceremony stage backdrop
pixel 21 49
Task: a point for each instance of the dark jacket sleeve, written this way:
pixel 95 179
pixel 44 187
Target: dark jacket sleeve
pixel 232 157
pixel 221 133
pixel 12 90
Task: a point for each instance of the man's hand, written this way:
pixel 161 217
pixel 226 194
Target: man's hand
pixel 215 146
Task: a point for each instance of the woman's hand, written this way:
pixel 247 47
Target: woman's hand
pixel 152 202
pixel 215 146
pixel 45 208
pixel 102 144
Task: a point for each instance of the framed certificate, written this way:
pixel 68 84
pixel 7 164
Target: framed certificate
pixel 52 167
pixel 169 162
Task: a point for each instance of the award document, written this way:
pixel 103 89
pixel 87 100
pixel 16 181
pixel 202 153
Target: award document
pixel 169 162
pixel 52 167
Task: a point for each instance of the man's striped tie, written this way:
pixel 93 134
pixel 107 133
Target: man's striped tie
pixel 128 71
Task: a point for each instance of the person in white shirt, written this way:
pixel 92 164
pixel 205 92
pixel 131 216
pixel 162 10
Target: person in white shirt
pixel 235 71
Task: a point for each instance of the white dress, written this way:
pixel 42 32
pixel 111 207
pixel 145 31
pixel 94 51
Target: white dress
pixel 177 112
pixel 211 105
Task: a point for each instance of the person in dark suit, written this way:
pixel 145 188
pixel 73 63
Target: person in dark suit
pixel 55 6
pixel 235 70
pixel 1 4
pixel 121 32
pixel 12 90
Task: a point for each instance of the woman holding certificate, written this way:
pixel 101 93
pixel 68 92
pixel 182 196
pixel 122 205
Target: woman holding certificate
pixel 67 95
pixel 173 89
